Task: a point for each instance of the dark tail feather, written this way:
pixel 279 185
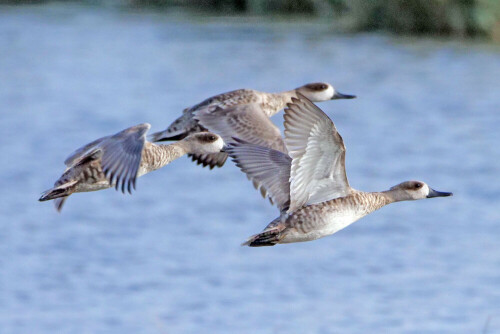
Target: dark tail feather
pixel 53 194
pixel 179 129
pixel 59 202
pixel 267 238
pixel 212 160
pixel 59 191
pixel 162 136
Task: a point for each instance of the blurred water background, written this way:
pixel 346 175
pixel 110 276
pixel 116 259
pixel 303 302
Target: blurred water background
pixel 167 259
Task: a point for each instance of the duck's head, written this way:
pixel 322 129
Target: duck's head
pixel 413 190
pixel 204 143
pixel 322 91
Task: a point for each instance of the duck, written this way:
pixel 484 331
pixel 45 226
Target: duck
pixel 242 113
pixel 117 160
pixel 309 183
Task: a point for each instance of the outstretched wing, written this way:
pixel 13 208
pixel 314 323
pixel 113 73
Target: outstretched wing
pixel 247 122
pixel 121 157
pixel 210 159
pixel 318 155
pixel 268 169
pixel 83 151
pixel 186 124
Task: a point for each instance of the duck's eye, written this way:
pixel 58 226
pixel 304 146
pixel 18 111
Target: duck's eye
pixel 418 185
pixel 316 86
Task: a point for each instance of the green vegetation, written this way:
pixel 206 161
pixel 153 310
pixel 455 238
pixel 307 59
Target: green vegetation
pixel 463 18
pixel 438 17
pixel 443 17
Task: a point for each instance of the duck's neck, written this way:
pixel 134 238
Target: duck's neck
pixel 157 156
pixel 391 196
pixel 372 200
pixel 357 204
pixel 274 102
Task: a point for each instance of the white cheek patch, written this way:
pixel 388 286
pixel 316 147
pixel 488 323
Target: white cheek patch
pixel 425 190
pixel 328 93
pixel 323 95
pixel 214 147
pixel 219 144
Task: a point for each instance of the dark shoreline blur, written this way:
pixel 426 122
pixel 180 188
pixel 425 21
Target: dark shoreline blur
pixel 454 18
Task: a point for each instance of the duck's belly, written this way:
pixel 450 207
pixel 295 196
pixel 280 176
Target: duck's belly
pixel 92 186
pixel 320 226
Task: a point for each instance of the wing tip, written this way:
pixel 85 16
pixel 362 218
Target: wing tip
pixel 210 160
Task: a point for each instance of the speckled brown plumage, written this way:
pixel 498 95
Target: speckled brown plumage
pixel 321 200
pixel 120 159
pixel 266 103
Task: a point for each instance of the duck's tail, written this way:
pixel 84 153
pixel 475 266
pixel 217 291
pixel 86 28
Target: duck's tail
pixel 166 136
pixel 179 129
pixel 271 235
pixel 59 193
pixel 59 202
pixel 266 238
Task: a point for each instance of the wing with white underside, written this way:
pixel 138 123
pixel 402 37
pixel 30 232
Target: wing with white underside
pixel 268 169
pixel 247 122
pixel 318 155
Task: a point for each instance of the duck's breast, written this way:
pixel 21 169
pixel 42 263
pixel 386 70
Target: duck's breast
pixel 320 220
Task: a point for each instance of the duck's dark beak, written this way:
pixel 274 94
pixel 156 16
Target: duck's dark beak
pixel 435 193
pixel 224 148
pixel 338 95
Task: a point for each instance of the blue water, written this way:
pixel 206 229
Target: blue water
pixel 167 259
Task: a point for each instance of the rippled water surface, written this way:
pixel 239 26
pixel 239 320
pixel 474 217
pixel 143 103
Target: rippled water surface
pixel 167 259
